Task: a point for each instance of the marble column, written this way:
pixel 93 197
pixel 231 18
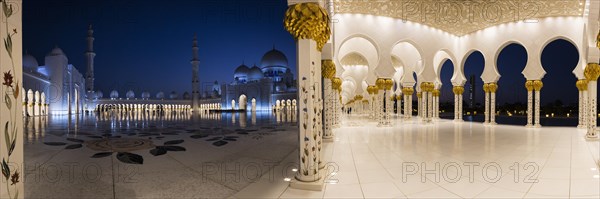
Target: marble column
pixel 430 102
pixel 529 87
pixel 24 101
pixel 409 101
pixel 581 87
pixel 537 87
pixel 486 111
pixel 591 72
pixel 310 42
pixel 424 99
pixel 328 73
pixel 436 104
pixel 10 111
pixel 493 87
pixel 458 91
pixel 419 104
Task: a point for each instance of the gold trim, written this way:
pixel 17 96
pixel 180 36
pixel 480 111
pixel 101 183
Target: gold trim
pixel 592 71
pixel 308 21
pixel 537 85
pixel 493 87
pixel 327 69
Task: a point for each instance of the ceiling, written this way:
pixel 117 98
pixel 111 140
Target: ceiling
pixel 460 17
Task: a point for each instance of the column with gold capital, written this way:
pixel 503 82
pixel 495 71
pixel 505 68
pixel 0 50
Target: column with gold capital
pixel 328 73
pixel 582 116
pixel 381 85
pixel 493 87
pixel 529 87
pixel 424 94
pixel 436 103
pixel 407 93
pixel 336 85
pixel 486 112
pixel 537 87
pixel 458 91
pixel 388 101
pixel 430 87
pixel 309 24
pixel 591 72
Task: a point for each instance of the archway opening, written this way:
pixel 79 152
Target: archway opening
pixel 446 94
pixel 559 96
pixel 511 97
pixel 473 96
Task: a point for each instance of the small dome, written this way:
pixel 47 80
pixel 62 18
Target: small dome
pixel 130 94
pixel 56 51
pixel 30 62
pixel 114 94
pixel 186 95
pixel 160 95
pixel 255 74
pixel 173 95
pixel 145 95
pixel 274 58
pixel 99 94
pixel 241 73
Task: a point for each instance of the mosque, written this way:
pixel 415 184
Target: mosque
pixel 269 86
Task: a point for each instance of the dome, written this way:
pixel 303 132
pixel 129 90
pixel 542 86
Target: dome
pixel 30 62
pixel 145 95
pixel 173 95
pixel 255 74
pixel 186 95
pixel 130 94
pixel 160 95
pixel 241 73
pixel 99 94
pixel 114 94
pixel 274 58
pixel 56 51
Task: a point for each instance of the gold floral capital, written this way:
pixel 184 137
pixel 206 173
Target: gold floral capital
pixel 581 84
pixel 388 84
pixel 529 85
pixel 419 94
pixel 308 21
pixel 486 88
pixel 436 92
pixel 537 85
pixel 336 83
pixel 493 87
pixel 380 83
pixel 327 68
pixel 592 71
pixel 458 90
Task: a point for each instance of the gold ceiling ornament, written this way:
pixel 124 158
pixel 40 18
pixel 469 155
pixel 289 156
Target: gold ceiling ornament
pixel 327 68
pixel 493 87
pixel 592 71
pixel 419 94
pixel 537 85
pixel 486 88
pixel 529 85
pixel 380 83
pixel 461 17
pixel 436 92
pixel 581 84
pixel 308 21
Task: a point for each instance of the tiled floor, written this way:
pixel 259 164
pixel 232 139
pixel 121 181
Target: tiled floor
pixel 448 160
pixel 211 157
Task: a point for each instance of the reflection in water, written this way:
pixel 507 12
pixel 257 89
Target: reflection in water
pixel 36 128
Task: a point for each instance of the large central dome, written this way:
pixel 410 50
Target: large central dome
pixel 274 58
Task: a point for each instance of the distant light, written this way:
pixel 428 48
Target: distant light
pixel 287 179
pixel 596 176
pixel 532 20
pixel 294 170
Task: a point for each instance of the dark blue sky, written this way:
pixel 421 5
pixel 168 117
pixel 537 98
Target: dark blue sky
pixel 559 58
pixel 146 45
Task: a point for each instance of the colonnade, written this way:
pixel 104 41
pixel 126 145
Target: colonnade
pixel 283 104
pixel 150 108
pixel 35 103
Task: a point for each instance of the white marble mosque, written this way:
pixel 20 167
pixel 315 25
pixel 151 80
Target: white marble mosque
pixel 332 131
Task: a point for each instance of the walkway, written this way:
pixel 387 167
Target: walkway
pixel 506 160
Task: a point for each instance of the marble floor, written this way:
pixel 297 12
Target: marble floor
pixel 132 155
pixel 446 160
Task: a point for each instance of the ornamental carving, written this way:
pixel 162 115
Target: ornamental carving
pixel 308 21
pixel 460 17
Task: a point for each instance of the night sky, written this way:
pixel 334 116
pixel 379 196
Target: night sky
pixel 146 45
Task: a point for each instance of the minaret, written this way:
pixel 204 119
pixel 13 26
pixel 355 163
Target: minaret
pixel 195 79
pixel 90 54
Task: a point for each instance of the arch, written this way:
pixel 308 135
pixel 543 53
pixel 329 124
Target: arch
pixel 243 102
pixel 447 70
pixel 474 83
pixel 439 59
pixel 362 44
pixel 410 55
pixel 516 81
pixel 558 67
